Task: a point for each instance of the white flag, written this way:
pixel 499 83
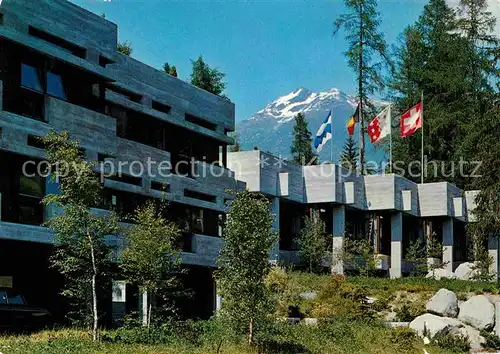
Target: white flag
pixel 380 126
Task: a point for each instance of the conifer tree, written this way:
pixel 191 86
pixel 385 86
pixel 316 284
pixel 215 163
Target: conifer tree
pixel 349 157
pixel 125 48
pixel 207 78
pixel 302 150
pixel 433 58
pixel 366 45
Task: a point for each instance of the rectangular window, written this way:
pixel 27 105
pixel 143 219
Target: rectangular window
pixel 131 96
pixel 103 61
pixel 35 141
pixel 30 78
pixel 127 179
pixel 161 107
pixel 200 121
pixel 162 187
pixel 55 86
pixel 200 196
pixel 57 41
pixel 103 157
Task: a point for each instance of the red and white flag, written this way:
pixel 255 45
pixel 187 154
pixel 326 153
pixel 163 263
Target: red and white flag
pixel 411 120
pixel 380 126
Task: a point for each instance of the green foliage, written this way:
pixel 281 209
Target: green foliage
pixel 417 258
pixel 359 254
pixel 125 48
pixel 243 261
pixel 482 262
pixel 455 72
pixel 492 341
pixel 207 78
pixel 451 342
pixel 301 149
pixel 151 259
pixel 366 46
pixel 171 70
pixel 81 254
pixel 313 243
pixel 404 338
pixel 408 312
pixel 349 157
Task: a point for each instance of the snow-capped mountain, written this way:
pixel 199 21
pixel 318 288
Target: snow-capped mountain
pixel 270 129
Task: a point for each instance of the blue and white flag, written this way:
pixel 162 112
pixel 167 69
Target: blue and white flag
pixel 324 133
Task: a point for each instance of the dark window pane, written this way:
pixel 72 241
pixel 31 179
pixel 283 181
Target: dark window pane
pixel 30 78
pixel 55 86
pixel 15 298
pixel 32 186
pixel 3 298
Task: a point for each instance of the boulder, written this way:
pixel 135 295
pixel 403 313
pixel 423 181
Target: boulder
pixel 478 312
pixel 434 324
pixel 473 336
pixel 309 295
pixel 443 303
pixel 465 271
pixel 440 273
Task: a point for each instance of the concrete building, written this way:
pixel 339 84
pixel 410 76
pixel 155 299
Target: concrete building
pixel 60 69
pixel 391 210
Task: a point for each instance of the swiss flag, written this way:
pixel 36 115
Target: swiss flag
pixel 411 120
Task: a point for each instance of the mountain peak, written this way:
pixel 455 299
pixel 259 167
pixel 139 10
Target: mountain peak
pixel 286 107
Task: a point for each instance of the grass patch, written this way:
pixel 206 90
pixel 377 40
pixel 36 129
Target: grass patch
pixel 336 336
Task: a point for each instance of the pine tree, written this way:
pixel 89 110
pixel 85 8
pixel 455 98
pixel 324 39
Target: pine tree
pixel 125 48
pixel 302 151
pixel 171 70
pixel 207 78
pixel 366 43
pixel 349 157
pixel 433 58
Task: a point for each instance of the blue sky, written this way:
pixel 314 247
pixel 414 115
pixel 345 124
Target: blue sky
pixel 266 48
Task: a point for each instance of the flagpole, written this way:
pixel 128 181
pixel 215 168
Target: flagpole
pixel 390 137
pixel 422 161
pixel 331 140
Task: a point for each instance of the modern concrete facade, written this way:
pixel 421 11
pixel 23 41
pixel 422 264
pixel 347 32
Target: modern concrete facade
pixel 60 69
pixel 392 210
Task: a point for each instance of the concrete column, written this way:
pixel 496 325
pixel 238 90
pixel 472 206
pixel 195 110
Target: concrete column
pixel 395 271
pixel 493 250
pixel 143 307
pixel 338 219
pixel 275 211
pixel 119 299
pixel 448 239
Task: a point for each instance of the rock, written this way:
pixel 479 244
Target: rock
pixel 440 273
pixel 427 341
pixel 465 271
pixel 310 295
pixel 434 324
pixel 478 312
pixel 370 300
pixel 311 321
pixel 443 303
pixel 473 336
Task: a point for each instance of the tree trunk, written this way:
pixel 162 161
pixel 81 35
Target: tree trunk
pixel 360 91
pixel 94 291
pixel 150 308
pixel 250 331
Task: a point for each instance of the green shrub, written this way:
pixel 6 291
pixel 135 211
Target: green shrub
pixel 492 340
pixel 408 312
pixel 451 342
pixel 404 338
